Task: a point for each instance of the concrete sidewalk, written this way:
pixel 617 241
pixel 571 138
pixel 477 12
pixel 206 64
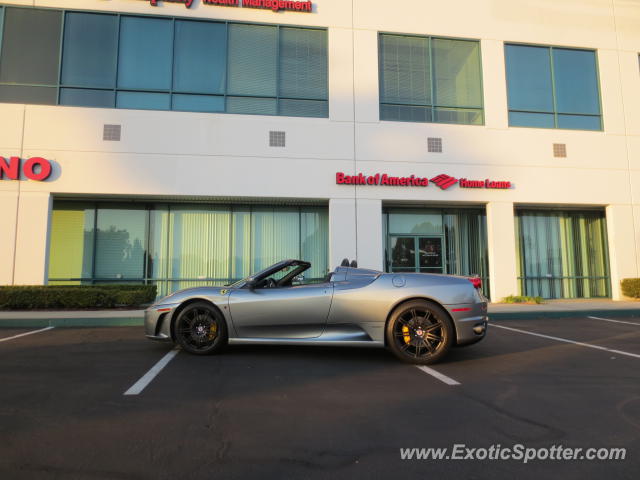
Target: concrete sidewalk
pixel 497 311
pixel 564 308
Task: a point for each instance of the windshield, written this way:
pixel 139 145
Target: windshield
pixel 277 274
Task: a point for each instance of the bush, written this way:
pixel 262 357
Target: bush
pixel 631 287
pixel 75 296
pixel 522 299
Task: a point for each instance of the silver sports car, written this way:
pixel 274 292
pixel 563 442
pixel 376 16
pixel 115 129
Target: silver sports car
pixel 418 316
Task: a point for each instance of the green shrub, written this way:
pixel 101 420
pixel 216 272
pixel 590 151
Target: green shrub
pixel 75 296
pixel 631 287
pixel 522 299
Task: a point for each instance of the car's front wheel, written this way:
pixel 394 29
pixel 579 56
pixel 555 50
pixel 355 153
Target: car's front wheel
pixel 200 329
pixel 419 332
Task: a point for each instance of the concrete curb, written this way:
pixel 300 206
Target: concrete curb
pixel 563 314
pixel 70 319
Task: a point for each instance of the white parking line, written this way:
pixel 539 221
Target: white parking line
pixel 566 340
pixel 146 379
pixel 25 334
pixel 614 321
pixel 438 375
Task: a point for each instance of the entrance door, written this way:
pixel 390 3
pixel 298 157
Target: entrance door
pixel 416 254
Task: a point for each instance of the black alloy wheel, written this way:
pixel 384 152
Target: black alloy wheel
pixel 200 329
pixel 419 332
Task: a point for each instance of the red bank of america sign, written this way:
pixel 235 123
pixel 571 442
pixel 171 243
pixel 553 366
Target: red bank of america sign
pixel 442 181
pixel 275 5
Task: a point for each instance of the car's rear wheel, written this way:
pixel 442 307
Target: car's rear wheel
pixel 419 332
pixel 200 329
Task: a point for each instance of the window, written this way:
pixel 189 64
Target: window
pixel 161 63
pixel 29 61
pixel 562 254
pixel 178 245
pixel 552 87
pixel 426 79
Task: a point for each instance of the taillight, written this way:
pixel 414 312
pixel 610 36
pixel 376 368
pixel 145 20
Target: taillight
pixel 476 281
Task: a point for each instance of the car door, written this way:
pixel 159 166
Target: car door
pixel 285 312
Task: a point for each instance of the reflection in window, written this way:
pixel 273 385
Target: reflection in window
pixel 552 87
pixel 180 246
pixel 120 243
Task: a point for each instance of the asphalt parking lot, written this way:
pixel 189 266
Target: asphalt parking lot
pixel 315 412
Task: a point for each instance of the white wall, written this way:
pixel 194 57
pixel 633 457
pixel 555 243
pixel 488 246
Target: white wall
pixel 218 155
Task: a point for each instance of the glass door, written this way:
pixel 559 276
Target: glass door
pixel 416 254
pixel 430 255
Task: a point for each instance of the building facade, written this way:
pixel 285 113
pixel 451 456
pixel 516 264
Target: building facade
pixel 193 142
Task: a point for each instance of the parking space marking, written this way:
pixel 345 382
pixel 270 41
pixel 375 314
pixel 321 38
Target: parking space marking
pixel 438 375
pixel 26 333
pixel 566 340
pixel 614 321
pixel 146 379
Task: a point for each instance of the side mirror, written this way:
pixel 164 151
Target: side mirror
pixel 251 283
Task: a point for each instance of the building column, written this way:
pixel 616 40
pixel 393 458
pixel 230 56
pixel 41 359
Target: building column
pixel 623 262
pixel 342 230
pixel 9 205
pixel 369 234
pixel 503 273
pixel 32 238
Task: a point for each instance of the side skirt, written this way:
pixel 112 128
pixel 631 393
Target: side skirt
pixel 333 335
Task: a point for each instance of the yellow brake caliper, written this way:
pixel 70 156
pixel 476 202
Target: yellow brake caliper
pixel 213 331
pixel 405 332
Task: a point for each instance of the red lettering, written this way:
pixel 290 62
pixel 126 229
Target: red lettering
pixel 497 185
pixel 11 170
pixel 29 169
pixel 340 178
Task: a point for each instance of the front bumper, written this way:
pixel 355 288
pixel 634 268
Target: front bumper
pixel 157 321
pixel 470 321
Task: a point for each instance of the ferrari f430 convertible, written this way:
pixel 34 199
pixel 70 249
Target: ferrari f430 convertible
pixel 417 316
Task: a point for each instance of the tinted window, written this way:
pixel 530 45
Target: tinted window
pixel 90 50
pixel 144 60
pixel 24 94
pixel 200 57
pixel 161 63
pixel 425 79
pixel 253 60
pixel 85 97
pixel 576 81
pixel 303 63
pixel 552 88
pixel 30 46
pixel 529 78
